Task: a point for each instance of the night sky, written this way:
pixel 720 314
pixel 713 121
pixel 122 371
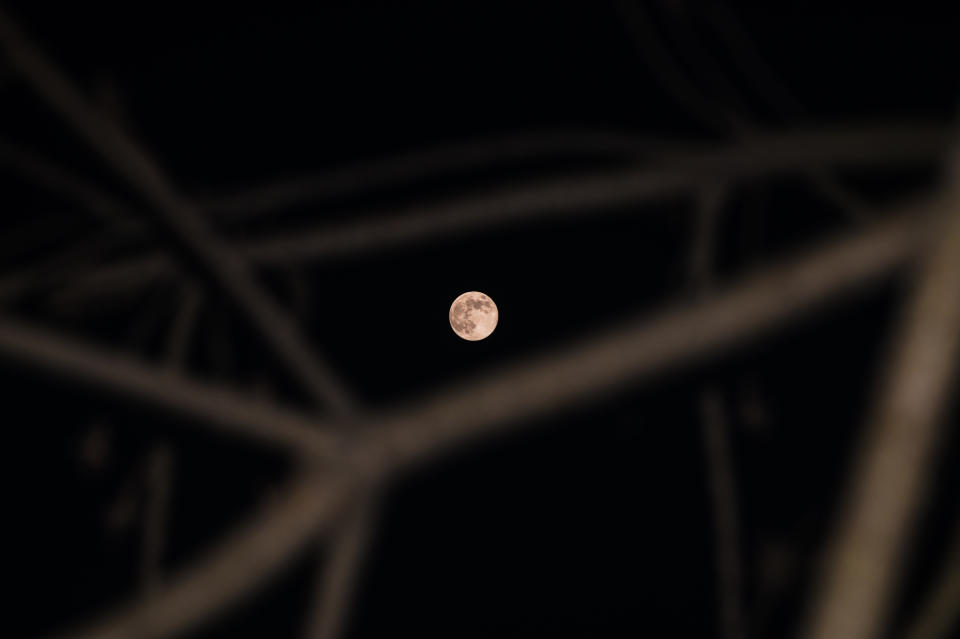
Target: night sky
pixel 593 521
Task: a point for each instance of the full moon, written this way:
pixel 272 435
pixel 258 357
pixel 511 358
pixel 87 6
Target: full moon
pixel 473 316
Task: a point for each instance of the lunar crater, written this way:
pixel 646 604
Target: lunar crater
pixel 473 316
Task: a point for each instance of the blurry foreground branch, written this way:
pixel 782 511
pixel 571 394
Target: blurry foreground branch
pixel 865 558
pixel 176 213
pixel 676 173
pixel 585 371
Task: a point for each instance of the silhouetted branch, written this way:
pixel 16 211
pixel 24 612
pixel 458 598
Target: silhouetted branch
pixel 410 167
pixel 254 552
pixel 724 499
pixel 159 482
pixel 708 112
pixel 709 207
pixel 538 387
pixel 183 326
pixel 676 173
pixel 721 488
pixel 337 580
pixel 205 404
pixel 864 557
pixel 130 161
pixel 940 612
pixel 57 179
pixel 56 269
pixel 606 362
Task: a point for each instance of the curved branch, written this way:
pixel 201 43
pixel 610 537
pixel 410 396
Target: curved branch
pixel 254 552
pixel 413 166
pixel 888 482
pixel 219 263
pixel 209 405
pixel 677 172
pixel 576 374
pixel 602 364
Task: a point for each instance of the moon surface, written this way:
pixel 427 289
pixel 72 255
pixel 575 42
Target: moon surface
pixel 473 316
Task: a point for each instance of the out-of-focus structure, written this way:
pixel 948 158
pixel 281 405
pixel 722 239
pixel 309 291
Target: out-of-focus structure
pixel 346 452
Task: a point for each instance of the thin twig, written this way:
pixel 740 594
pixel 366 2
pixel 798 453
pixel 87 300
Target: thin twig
pixel 864 558
pixel 753 65
pixel 709 207
pixel 58 179
pixel 725 513
pixel 159 484
pixel 183 325
pixel 415 166
pixel 722 488
pixel 702 108
pixel 129 160
pixel 940 612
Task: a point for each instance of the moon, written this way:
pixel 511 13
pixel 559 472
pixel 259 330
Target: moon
pixel 473 316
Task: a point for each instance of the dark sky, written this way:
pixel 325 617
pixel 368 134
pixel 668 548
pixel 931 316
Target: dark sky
pixel 598 521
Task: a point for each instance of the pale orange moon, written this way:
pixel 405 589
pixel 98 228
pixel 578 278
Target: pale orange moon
pixel 473 316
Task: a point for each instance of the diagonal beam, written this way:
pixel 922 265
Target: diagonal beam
pixel 176 212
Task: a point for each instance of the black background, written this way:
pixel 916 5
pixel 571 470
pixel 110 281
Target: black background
pixel 596 523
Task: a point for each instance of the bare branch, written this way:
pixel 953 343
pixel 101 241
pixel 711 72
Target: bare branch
pixel 709 207
pixel 538 387
pixel 677 173
pixel 724 499
pixel 343 565
pixel 159 482
pixel 233 570
pixel 608 361
pixel 711 113
pixel 186 221
pixel 183 325
pixel 865 556
pixel 57 179
pixel 940 613
pixel 418 165
pixel 208 405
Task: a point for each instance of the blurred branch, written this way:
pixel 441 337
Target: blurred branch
pixel 205 404
pixel 678 172
pixel 183 326
pixel 607 361
pixel 668 73
pixel 753 65
pixel 865 556
pixel 575 373
pixel 940 613
pixel 721 486
pixel 708 112
pixel 418 165
pixel 538 387
pixel 725 514
pixel 186 222
pixel 331 607
pixel 159 471
pixel 55 269
pixel 709 207
pixel 159 481
pixel 255 551
pixel 57 179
